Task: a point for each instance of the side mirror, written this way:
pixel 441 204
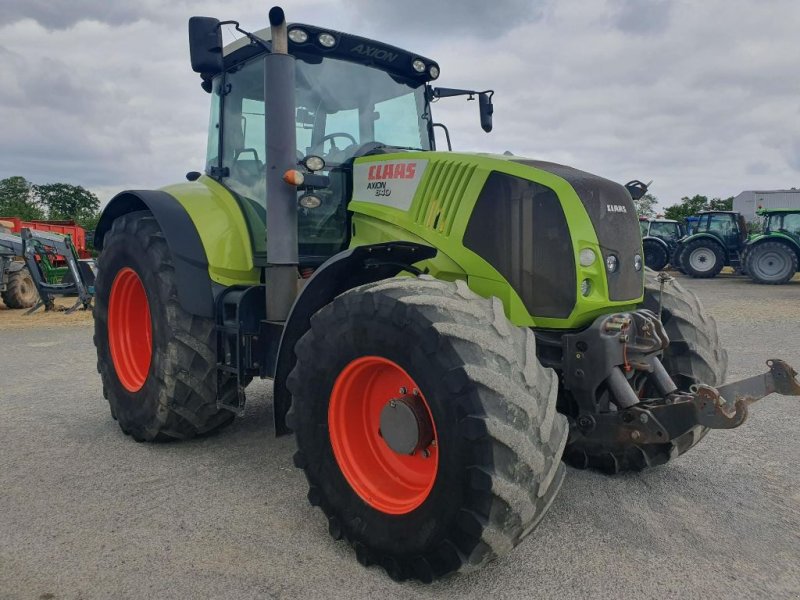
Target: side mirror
pixel 205 45
pixel 637 189
pixel 487 109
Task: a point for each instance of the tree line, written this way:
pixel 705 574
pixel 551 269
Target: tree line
pixel 56 201
pixel 646 206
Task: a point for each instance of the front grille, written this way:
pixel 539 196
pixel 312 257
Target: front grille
pixel 518 226
pixel 441 190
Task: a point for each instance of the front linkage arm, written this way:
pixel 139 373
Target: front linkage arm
pixel 726 406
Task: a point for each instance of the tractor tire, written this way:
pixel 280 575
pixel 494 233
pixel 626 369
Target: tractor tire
pixel 771 263
pixel 675 259
pixel 21 290
pixel 655 255
pixel 157 362
pixel 493 466
pixel 702 259
pixel 694 355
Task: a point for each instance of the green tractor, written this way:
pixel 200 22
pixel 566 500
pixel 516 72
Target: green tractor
pixel 717 240
pixel 772 256
pixel 441 328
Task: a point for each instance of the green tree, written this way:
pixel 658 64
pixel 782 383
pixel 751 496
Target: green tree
pixel 692 206
pixel 18 199
pixel 65 201
pixel 687 207
pixel 645 206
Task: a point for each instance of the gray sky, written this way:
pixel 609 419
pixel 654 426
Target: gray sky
pixel 700 96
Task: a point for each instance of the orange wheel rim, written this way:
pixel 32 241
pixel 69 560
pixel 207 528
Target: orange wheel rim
pixel 386 480
pixel 130 335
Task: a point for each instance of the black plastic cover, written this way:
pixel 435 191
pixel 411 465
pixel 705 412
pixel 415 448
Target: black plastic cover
pixel 616 225
pixel 518 226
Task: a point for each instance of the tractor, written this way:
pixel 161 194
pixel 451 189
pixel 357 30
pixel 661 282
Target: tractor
pixel 716 240
pixel 659 240
pixel 772 256
pixel 441 328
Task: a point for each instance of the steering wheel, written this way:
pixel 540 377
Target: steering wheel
pixel 330 136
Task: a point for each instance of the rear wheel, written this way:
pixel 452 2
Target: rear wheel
pixel 702 259
pixel 655 255
pixel 771 263
pixel 157 362
pixel 21 291
pixel 426 426
pixel 694 355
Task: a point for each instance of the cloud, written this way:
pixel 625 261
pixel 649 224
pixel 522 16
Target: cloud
pixel 438 20
pixel 642 17
pixel 697 96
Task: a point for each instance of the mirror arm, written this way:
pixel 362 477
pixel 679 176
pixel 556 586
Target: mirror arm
pixel 446 134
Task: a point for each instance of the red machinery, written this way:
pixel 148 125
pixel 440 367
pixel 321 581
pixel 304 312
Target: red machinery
pixel 69 227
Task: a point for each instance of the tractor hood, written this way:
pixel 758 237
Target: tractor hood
pixel 613 215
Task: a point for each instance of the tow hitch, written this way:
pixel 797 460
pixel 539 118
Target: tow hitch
pixel 659 421
pixel 625 394
pixel 726 407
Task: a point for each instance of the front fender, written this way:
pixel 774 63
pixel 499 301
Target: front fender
pixel 344 271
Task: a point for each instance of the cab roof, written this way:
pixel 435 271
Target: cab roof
pixel 397 62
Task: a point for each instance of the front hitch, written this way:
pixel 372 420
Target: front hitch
pixel 668 418
pixel 726 407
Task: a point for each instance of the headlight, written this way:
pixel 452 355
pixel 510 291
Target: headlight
pixel 313 163
pixel 587 257
pixel 418 65
pixel 298 36
pixel 309 201
pixel 612 263
pixel 434 71
pixel 327 40
pixel 637 262
pixel 586 287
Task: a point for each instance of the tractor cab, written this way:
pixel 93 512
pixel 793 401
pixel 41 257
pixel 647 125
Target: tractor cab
pixel 782 221
pixel 728 227
pixel 353 97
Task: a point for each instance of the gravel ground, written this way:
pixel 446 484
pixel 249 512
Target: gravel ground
pixel 87 513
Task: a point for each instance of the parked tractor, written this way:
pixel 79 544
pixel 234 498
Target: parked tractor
pixel 772 256
pixel 659 240
pixel 441 327
pixel 717 240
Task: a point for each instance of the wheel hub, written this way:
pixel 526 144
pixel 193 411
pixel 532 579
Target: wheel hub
pixel 383 438
pixel 702 259
pixel 405 425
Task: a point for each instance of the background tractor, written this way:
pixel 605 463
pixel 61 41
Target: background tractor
pixel 717 239
pixel 772 256
pixel 440 327
pixel 659 240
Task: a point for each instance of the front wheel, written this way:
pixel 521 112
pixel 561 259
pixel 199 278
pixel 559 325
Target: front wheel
pixel 655 255
pixel 771 263
pixel 157 361
pixel 426 426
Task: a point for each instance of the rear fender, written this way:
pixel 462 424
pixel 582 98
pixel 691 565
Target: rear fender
pixel 707 236
pixel 344 271
pixel 191 265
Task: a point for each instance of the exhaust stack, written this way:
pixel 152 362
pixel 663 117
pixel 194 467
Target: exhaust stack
pixel 280 275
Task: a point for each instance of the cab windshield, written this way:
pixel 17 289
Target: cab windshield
pixel 343 110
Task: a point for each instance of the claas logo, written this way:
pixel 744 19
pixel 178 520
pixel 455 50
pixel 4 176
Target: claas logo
pixel 392 171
